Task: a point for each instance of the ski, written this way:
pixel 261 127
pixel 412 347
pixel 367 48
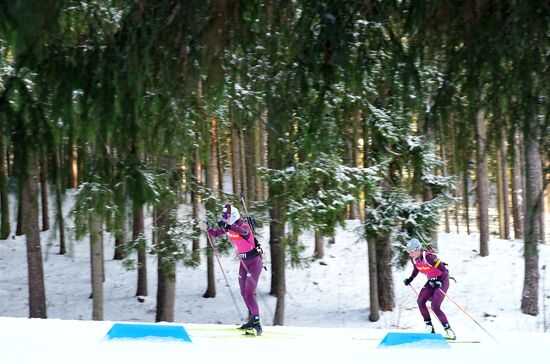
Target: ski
pixel 251 332
pixel 233 332
pixel 464 341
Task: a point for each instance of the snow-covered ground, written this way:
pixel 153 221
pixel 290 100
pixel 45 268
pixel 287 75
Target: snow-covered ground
pixel 24 341
pixel 326 313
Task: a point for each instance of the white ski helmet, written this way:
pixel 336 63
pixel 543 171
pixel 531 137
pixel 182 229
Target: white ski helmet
pixel 413 244
pixel 231 213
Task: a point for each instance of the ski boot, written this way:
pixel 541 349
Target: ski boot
pixel 248 325
pixel 252 327
pixel 256 329
pixel 449 333
pixel 429 327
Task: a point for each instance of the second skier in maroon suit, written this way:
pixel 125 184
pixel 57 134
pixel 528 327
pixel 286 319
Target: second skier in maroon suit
pixel 438 283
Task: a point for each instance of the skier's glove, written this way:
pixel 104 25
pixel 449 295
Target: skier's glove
pixel 408 281
pixel 260 250
pixel 223 225
pixel 435 283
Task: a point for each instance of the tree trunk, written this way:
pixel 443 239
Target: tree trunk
pixel 533 207
pixel 354 159
pixel 195 204
pixel 210 276
pixel 166 295
pixel 500 190
pixel 249 164
pixel 212 183
pixel 138 234
pixel 44 194
pixel 278 259
pixel 166 269
pixel 243 171
pixel 258 150
pixel 466 197
pixel 456 195
pixel 119 213
pixel 542 213
pixel 66 162
pixel 386 294
pixel 276 161
pixel 96 253
pixel 319 252
pixel 213 176
pixel 5 226
pixel 447 214
pixel 29 209
pixel 263 154
pixel 504 189
pixel 19 230
pixel 371 245
pixel 517 188
pixel 73 166
pixel 542 222
pixel 482 184
pixel 428 196
pixel 374 293
pixel 455 170
pixel 72 163
pixel 236 161
pixel 154 231
pixel 219 160
pixel 120 229
pixel 443 154
pixel 59 204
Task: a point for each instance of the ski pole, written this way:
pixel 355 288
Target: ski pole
pixel 425 242
pixel 224 276
pixel 422 237
pixel 467 314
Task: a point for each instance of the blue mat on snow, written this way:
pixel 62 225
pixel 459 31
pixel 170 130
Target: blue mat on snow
pixel 418 340
pixel 148 331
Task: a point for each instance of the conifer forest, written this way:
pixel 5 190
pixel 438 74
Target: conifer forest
pixel 410 116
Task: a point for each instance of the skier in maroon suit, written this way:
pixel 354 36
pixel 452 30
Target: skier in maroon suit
pixel 427 263
pixel 241 236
